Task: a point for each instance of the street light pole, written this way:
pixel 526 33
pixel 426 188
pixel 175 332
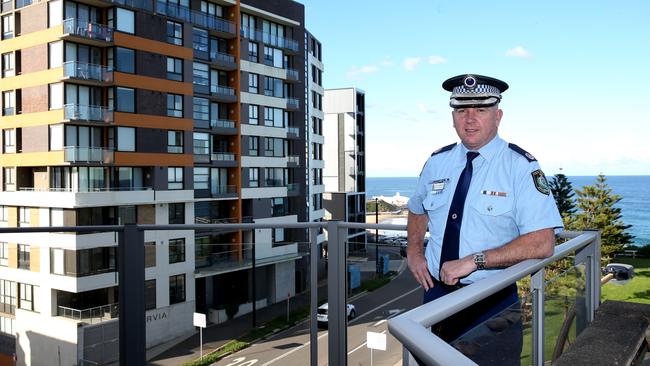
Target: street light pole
pixel 377 269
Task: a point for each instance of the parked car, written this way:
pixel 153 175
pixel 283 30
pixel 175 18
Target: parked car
pixel 620 271
pixel 322 314
pixel 402 247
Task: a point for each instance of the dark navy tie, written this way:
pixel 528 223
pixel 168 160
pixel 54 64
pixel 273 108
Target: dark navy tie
pixel 455 216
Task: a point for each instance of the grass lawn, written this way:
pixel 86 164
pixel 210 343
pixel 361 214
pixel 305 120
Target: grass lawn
pixel 637 289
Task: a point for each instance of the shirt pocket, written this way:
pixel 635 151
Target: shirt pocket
pixel 435 201
pixel 493 205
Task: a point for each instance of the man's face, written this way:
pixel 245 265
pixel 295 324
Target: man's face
pixel 476 126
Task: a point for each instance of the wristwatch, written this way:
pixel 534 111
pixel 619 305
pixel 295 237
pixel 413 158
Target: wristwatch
pixel 479 260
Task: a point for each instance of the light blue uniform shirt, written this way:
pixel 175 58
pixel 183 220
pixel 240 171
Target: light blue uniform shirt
pixel 503 201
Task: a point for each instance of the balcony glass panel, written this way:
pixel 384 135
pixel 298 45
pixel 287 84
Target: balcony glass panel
pixel 88 29
pixel 222 123
pixel 87 113
pixel 77 154
pixel 85 71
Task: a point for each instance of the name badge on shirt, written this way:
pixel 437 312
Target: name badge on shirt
pixel 437 186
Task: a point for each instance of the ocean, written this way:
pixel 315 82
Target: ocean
pixel 634 190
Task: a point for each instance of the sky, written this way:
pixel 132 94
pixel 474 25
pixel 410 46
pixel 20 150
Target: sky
pixel 579 76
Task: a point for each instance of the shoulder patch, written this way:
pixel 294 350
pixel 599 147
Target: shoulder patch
pixel 539 179
pixel 523 152
pixel 443 149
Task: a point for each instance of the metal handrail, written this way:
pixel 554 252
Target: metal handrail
pixel 87 71
pixel 412 327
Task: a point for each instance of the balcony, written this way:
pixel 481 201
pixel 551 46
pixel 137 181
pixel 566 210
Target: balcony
pixel 223 93
pixel 92 73
pixel 293 104
pixel 138 4
pixel 220 27
pixel 223 126
pixel 293 189
pixel 293 160
pixel 94 315
pixel 78 154
pixel 223 191
pixel 293 132
pixel 89 113
pixel 223 61
pixel 270 39
pixel 92 33
pixel 293 75
pixel 223 159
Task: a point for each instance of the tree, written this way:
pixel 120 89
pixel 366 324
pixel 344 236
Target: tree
pixel 563 194
pixel 597 211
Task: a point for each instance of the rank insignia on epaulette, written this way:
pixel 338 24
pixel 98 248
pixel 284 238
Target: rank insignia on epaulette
pixel 539 179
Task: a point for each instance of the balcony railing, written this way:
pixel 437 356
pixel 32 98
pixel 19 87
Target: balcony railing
pixel 83 190
pixel 94 315
pixel 139 4
pixel 293 159
pixel 220 56
pixel 78 154
pixel 270 39
pixel 223 190
pixel 196 17
pixel 88 30
pixel 292 74
pixel 222 123
pixel 222 156
pixel 85 71
pixel 23 3
pixel 293 103
pixel 294 131
pixel 218 89
pixel 94 113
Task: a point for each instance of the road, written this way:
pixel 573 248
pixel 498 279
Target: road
pixel 292 346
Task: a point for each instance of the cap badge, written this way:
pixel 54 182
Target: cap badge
pixel 469 82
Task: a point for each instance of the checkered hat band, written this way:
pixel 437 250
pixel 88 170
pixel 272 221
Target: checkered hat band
pixel 481 89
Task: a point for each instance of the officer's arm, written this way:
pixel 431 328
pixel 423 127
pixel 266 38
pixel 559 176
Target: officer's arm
pixel 416 228
pixel 536 244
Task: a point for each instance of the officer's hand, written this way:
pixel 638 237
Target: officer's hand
pixel 418 266
pixel 452 271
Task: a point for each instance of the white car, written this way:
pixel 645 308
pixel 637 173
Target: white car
pixel 322 314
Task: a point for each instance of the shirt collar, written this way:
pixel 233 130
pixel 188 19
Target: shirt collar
pixel 487 152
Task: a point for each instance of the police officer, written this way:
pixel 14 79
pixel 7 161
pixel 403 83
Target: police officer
pixel 487 205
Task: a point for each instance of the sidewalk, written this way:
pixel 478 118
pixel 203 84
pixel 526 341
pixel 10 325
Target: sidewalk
pixel 177 351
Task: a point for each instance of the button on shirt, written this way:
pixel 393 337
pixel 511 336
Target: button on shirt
pixel 502 201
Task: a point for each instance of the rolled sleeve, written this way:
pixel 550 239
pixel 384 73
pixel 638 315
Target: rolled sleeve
pixel 415 201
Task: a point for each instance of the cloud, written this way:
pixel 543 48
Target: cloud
pixel 518 52
pixel 437 60
pixel 356 72
pixel 410 63
pixel 425 109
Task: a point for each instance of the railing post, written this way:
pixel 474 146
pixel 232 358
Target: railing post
pixel 595 278
pixel 313 292
pixel 537 289
pixel 132 331
pixel 336 291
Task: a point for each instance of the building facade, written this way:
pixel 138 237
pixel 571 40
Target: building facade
pixel 344 154
pixel 150 112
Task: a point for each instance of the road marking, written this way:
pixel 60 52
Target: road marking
pixel 293 350
pixel 382 305
pixel 379 323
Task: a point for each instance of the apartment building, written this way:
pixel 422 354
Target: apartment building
pixel 149 112
pixel 344 153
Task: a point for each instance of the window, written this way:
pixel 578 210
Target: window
pixel 174 33
pixel 253 145
pixel 8 26
pixel 57 261
pixel 175 178
pixel 8 106
pixel 201 110
pixel 125 21
pixel 201 74
pixel 212 9
pixel 252 83
pixel 8 64
pixel 55 51
pixel 317 201
pixel 175 105
pixel 125 139
pixel 174 69
pixel 317 151
pixel 253 114
pixel 278 206
pixel 254 177
pixel 9 141
pixel 55 11
pixel 318 176
pixel 125 99
pixel 23 256
pixel 200 40
pixel 317 125
pixel 177 213
pixel 274 147
pixel 149 254
pixel 56 217
pixel 201 144
pixel 175 142
pixel 274 117
pixel 9 179
pixel 252 51
pixel 149 294
pixel 316 100
pixel 273 87
pixel 201 178
pixel 275 177
pixel 8 296
pixel 127 215
pixel 176 250
pixel 273 57
pixel 4 254
pixel 176 289
pixel 4 213
pixel 125 60
pixel 24 216
pixel 27 296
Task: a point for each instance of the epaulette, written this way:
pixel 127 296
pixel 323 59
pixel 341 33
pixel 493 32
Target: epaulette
pixel 522 152
pixel 443 149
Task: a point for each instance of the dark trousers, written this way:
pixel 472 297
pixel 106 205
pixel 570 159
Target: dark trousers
pixel 489 332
